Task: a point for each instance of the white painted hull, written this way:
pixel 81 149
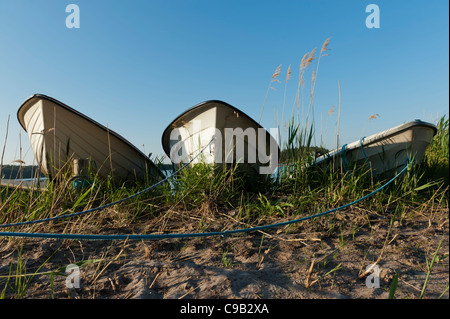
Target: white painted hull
pixel 213 118
pixel 386 151
pixel 58 134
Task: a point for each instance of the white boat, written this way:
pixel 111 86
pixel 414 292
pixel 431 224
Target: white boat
pixel 384 152
pixel 238 139
pixel 59 134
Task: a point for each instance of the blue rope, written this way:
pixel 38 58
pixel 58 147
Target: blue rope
pixel 109 204
pixel 367 159
pixel 192 235
pixel 344 160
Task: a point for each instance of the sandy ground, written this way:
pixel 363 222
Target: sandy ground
pixel 295 263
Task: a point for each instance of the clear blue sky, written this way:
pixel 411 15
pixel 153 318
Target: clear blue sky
pixel 136 65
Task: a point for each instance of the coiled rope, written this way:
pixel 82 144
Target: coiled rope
pixel 193 235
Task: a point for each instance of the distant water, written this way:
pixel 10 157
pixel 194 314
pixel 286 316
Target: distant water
pixel 25 182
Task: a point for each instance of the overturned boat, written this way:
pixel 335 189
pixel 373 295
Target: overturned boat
pixel 59 135
pixel 384 152
pixel 224 135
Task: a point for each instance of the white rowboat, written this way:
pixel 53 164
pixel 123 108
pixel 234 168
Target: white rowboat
pixel 238 139
pixel 386 151
pixel 59 134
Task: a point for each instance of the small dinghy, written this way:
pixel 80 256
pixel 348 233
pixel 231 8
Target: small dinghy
pixel 384 152
pixel 236 139
pixel 59 134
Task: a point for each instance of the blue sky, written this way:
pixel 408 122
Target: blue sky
pixel 136 65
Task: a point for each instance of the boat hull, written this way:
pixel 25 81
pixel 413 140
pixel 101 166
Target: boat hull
pixel 238 139
pixel 385 152
pixel 59 134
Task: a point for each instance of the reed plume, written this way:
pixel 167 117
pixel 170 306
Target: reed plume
pixel 302 68
pixel 311 57
pixel 325 47
pixel 273 79
pixel 288 76
pixel 372 117
pixel 331 111
pixel 306 61
pixel 313 83
pixel 276 74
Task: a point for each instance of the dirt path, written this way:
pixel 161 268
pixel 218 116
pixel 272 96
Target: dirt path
pixel 301 262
